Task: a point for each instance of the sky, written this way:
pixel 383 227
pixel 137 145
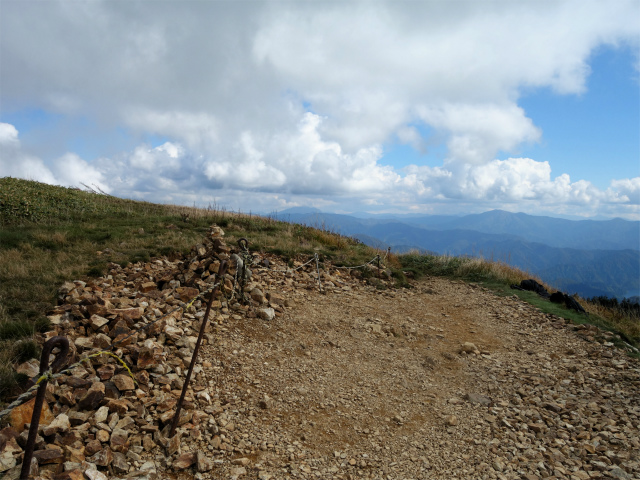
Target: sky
pixel 434 107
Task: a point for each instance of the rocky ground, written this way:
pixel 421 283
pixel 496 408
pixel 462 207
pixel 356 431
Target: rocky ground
pixel 445 380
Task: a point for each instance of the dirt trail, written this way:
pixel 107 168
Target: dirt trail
pixel 360 383
pixel 445 380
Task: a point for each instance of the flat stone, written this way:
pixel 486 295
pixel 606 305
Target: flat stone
pixel 7 461
pixel 126 313
pixel 96 322
pixel 124 382
pixel 22 414
pixel 174 444
pixel 30 368
pixel 93 474
pixel 83 343
pixel 452 420
pixel 49 455
pixel 119 440
pixel 75 474
pixel 477 398
pixel 468 347
pixel 203 463
pixel 185 460
pixel 102 458
pixel 94 396
pixel 267 313
pixel 119 463
pixel 60 424
pixel 101 414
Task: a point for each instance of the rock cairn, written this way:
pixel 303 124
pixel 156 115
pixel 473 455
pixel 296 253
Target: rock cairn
pixel 102 421
pixel 445 380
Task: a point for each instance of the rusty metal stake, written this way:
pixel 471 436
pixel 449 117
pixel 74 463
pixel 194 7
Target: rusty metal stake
pixel 243 243
pixel 214 293
pixel 61 358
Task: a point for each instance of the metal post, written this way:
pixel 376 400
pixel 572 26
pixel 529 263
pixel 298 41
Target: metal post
pixel 61 358
pixel 378 259
pixel 214 293
pixel 243 243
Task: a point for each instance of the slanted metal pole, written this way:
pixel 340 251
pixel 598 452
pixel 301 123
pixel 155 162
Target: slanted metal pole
pixel 61 358
pixel 221 271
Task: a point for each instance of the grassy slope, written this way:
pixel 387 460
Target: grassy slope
pixel 51 234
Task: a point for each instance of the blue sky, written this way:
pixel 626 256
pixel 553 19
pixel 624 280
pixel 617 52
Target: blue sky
pixel 418 107
pixel 595 134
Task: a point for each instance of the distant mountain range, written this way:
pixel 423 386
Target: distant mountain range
pixel 588 257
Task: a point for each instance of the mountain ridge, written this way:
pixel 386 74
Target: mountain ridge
pixel 570 260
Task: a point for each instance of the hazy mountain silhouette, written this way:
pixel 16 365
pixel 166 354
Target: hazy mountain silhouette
pixel 583 256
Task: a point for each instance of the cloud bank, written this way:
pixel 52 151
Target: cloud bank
pixel 267 105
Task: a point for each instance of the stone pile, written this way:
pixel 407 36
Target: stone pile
pixel 444 380
pixel 108 422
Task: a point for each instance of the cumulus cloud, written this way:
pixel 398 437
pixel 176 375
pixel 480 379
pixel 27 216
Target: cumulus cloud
pixel 16 163
pixel 299 99
pixel 67 170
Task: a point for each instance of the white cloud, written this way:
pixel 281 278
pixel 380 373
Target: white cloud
pixel 16 163
pixel 293 99
pixel 629 188
pixel 67 170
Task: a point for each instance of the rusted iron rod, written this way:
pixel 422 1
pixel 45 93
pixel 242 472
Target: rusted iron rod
pixel 174 423
pixel 61 358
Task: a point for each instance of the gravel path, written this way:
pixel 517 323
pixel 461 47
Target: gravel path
pixel 443 381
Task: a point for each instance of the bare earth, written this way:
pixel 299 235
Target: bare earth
pixel 359 383
pixel 445 380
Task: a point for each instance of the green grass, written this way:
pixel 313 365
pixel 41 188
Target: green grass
pixel 50 234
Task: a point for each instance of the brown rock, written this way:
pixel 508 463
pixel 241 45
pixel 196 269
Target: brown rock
pixel 75 474
pixel 119 406
pixel 102 436
pixel 477 398
pixel 91 400
pixel 142 377
pixel 146 357
pixel 451 420
pixel 124 382
pixel 29 368
pixel 120 464
pixel 119 440
pixel 126 313
pixel 174 444
pixel 148 286
pixel 96 322
pixel 22 414
pixel 186 293
pixel 106 372
pixel 102 458
pixel 276 299
pixel 102 341
pixel 7 434
pixel 203 463
pixel 92 447
pixel 77 382
pixel 75 455
pixel 59 425
pixel 185 460
pixel 54 454
pixel 257 295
